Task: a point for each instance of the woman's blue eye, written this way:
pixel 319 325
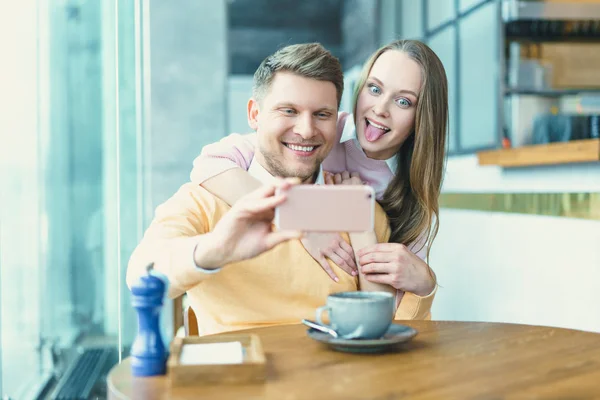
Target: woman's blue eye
pixel 374 89
pixel 403 102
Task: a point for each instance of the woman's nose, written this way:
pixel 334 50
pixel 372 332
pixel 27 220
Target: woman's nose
pixel 381 108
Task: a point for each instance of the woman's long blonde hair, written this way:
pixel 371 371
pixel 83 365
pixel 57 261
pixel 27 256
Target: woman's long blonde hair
pixel 411 198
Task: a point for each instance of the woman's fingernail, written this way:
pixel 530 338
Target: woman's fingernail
pixel 336 279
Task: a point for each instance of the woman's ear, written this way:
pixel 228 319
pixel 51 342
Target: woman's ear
pixel 253 111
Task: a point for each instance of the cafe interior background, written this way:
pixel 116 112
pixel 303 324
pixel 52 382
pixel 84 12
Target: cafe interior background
pixel 106 104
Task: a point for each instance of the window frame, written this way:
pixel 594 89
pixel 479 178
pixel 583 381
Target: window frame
pixel 428 32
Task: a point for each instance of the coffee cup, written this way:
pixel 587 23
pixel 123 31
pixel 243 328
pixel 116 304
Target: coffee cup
pixel 358 315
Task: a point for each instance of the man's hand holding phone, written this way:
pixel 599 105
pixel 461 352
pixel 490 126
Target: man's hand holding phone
pixel 246 230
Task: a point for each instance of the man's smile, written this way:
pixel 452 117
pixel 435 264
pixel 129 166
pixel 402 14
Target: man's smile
pixel 302 149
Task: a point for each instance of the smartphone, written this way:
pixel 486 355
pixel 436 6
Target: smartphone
pixel 327 208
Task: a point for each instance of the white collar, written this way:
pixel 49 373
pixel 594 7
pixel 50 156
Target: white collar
pixel 349 133
pixel 264 176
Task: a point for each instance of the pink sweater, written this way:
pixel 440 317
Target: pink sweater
pixel 237 150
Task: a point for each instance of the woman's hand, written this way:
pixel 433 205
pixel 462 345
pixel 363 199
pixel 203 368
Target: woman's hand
pixel 395 265
pixel 331 245
pixel 345 178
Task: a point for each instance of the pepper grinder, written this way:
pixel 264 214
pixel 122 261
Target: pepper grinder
pixel 148 355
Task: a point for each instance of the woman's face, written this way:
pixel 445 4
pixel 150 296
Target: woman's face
pixel 387 104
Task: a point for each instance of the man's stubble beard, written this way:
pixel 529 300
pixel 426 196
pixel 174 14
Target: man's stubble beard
pixel 276 168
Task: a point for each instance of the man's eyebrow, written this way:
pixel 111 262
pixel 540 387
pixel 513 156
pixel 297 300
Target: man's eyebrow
pixel 285 104
pixel 400 91
pixel 292 105
pixel 328 109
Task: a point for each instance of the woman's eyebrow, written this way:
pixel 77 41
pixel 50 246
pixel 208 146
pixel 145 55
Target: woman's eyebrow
pixel 399 91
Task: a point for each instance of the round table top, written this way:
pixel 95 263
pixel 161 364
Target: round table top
pixel 445 360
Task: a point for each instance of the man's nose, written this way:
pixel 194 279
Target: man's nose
pixel 305 126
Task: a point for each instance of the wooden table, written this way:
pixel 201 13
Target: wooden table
pixel 447 360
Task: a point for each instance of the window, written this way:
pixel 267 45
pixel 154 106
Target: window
pixel 465 5
pixel 465 34
pixel 439 12
pixel 64 244
pixel 444 45
pixel 478 88
pixel 411 19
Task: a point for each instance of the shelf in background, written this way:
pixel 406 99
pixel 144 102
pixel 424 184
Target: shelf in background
pixel 583 10
pixel 576 151
pixel 551 92
pixel 551 39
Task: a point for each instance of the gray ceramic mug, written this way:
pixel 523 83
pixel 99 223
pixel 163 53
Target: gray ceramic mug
pixel 354 315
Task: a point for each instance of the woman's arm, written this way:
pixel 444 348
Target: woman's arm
pixel 390 267
pixel 361 240
pixel 395 265
pixel 220 185
pixel 224 162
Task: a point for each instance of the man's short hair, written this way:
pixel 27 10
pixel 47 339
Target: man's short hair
pixel 310 60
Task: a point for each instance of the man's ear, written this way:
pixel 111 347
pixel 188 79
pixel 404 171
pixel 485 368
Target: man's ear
pixel 253 111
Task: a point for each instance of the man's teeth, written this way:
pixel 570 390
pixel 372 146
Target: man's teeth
pixel 300 148
pixel 383 128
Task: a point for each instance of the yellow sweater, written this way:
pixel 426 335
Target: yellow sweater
pixel 281 286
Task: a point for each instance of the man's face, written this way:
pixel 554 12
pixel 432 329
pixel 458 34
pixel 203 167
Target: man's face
pixel 295 124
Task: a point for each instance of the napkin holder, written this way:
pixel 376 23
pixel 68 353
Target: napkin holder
pixel 252 368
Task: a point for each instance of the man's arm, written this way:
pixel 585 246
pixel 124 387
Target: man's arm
pixel 179 227
pixel 186 243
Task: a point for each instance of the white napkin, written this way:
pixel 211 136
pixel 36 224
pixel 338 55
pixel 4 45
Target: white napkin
pixel 212 353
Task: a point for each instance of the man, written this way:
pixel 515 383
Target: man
pixel 237 272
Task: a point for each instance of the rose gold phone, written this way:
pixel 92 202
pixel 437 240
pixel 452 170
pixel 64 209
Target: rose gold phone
pixel 327 208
